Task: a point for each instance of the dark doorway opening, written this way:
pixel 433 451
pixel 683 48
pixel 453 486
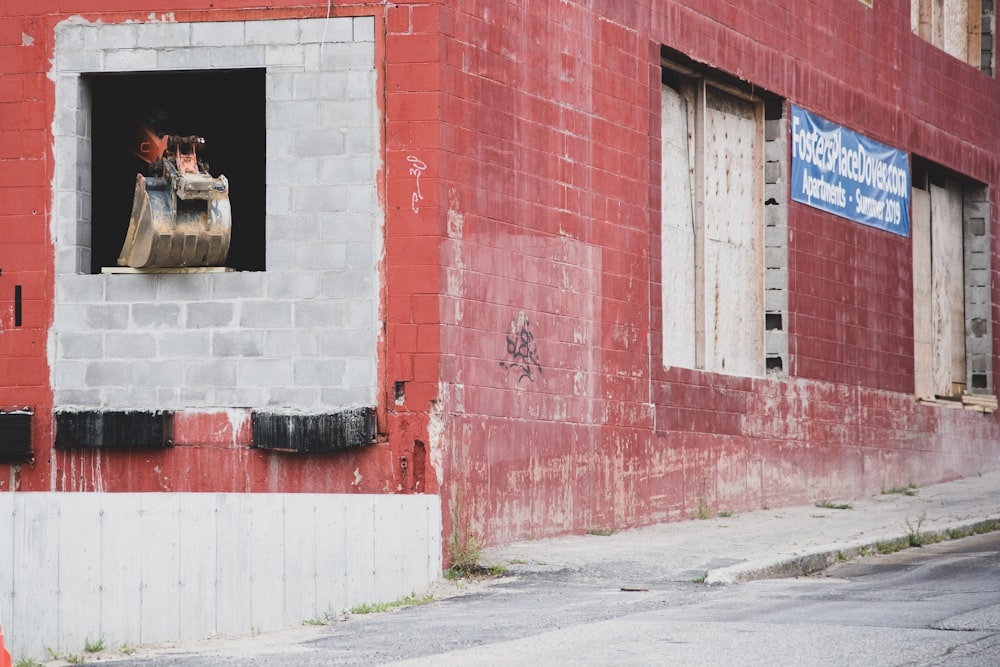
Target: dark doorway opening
pixel 226 107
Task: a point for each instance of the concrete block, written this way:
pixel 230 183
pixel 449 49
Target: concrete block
pixel 280 143
pixel 242 343
pixel 281 256
pixel 776 130
pixel 346 343
pixel 320 198
pixel 239 284
pixel 152 373
pixel 284 55
pixel 196 396
pixel 306 143
pixel 160 35
pixel 79 346
pixel 341 113
pixel 108 373
pixel 198 57
pixel 347 169
pixel 210 314
pixel 130 345
pixel 776 300
pixel 217 33
pixel 211 373
pixel 775 258
pixel 79 289
pixel 362 315
pixel 361 140
pixel 185 286
pixel 279 85
pixel 776 216
pixel 105 316
pixel 334 29
pixel 70 375
pixel 362 198
pixel 361 255
pixel 291 115
pixel 320 85
pixel 131 288
pixel 185 344
pixel 292 286
pixel 321 314
pixel 168 398
pixel 282 31
pixel 364 28
pixel 321 256
pixel 250 397
pixel 238 56
pixel 360 372
pixel 294 398
pixel 292 228
pixel 279 199
pixel 285 343
pixel 297 171
pixel 342 397
pixel 75 398
pixel 156 315
pixel 79 61
pixel 321 372
pixel 349 55
pixel 266 315
pixel 130 398
pixel 361 84
pixel 264 372
pixel 129 60
pixel 347 226
pixel 349 284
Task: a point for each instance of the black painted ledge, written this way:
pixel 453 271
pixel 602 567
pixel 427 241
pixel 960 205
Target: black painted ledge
pixel 331 432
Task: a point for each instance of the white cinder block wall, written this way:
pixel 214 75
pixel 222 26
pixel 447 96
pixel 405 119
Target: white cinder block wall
pixel 132 568
pixel 299 336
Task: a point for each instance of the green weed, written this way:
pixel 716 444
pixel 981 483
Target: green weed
pixel 93 646
pixel 908 490
pixel 827 505
pixel 379 607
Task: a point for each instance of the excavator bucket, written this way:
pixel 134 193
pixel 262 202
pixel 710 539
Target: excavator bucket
pixel 181 217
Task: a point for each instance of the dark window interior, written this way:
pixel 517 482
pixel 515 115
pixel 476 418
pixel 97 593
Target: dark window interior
pixel 226 107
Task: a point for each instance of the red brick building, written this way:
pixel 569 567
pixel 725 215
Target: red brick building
pixel 582 296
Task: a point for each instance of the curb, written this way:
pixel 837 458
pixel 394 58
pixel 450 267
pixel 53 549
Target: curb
pixel 820 558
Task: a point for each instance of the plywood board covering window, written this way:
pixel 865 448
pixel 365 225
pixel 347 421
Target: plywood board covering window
pixel 712 231
pixel 955 26
pixel 940 275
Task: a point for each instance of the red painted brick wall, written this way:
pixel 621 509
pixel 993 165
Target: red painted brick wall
pixel 550 171
pixel 522 363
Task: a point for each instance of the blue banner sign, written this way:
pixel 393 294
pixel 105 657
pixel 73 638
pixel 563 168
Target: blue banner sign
pixel 844 173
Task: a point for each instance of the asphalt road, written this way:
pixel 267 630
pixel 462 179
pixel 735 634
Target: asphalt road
pixel 936 605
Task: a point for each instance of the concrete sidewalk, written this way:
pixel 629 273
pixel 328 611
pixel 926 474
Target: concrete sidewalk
pixel 768 543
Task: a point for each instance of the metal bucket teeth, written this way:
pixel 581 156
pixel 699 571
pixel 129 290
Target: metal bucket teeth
pixel 182 221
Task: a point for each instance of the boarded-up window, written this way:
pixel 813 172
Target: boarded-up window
pixel 962 28
pixel 951 303
pixel 712 228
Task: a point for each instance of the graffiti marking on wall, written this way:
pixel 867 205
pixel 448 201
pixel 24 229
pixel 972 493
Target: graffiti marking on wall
pixel 417 167
pixel 522 350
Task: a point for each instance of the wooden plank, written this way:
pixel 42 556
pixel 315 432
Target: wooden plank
pixel 923 321
pixel 947 287
pixel 677 233
pixel 185 269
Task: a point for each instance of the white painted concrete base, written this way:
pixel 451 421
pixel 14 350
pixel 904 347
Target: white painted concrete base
pixel 145 567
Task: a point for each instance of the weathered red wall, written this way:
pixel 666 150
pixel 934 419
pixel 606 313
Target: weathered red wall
pixel 550 171
pixel 521 289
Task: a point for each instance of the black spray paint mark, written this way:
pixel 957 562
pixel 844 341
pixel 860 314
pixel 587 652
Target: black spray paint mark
pixel 522 349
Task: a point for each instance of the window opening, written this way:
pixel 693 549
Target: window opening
pixel 951 287
pixel 225 107
pixel 961 28
pixel 723 303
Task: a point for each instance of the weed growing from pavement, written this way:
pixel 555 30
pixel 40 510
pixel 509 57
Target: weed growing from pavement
pixel 725 514
pixel 701 579
pixel 379 607
pixel 94 646
pixel 827 505
pixel 126 649
pixel 28 662
pixel 601 532
pixel 908 490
